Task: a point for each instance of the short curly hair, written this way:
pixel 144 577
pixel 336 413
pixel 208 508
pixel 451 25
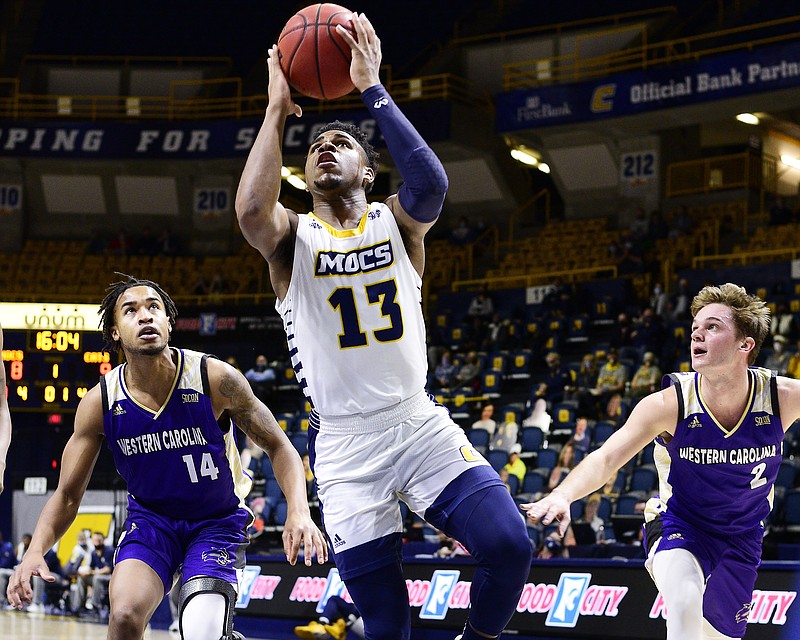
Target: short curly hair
pixel 109 303
pixel 360 137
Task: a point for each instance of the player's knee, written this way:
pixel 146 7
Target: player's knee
pixel 127 620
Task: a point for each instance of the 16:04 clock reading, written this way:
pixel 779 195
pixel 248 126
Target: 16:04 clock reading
pixel 51 370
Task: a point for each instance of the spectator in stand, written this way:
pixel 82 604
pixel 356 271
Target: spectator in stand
pixel 95 575
pixel 469 373
pixel 497 335
pixel 611 379
pixel 444 372
pixel 659 300
pixel 604 533
pixel 647 377
pixel 486 422
pixel 505 435
pixel 682 298
pixel 581 438
pixel 682 224
pixel 539 416
pixel 217 286
pixel 22 545
pixel 585 382
pixel 556 382
pixel 8 560
pixel 622 340
pixel 516 465
pixel 783 322
pixel 778 360
pixel 44 592
pixel 553 546
pixel 261 378
pixel 648 333
pixel 480 311
pixel 462 233
pixel 565 464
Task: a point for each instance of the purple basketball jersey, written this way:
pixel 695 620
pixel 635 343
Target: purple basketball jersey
pixel 720 479
pixel 177 461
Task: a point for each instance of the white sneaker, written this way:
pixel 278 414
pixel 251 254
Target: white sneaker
pixel 35 608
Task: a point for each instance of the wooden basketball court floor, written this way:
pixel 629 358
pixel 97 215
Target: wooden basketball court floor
pixel 37 626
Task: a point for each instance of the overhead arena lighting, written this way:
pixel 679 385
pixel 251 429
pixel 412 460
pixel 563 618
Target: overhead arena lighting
pixel 748 118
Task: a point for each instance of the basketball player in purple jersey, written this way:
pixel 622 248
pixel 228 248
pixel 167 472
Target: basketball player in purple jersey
pixel 159 413
pixel 348 279
pixel 5 419
pixel 719 442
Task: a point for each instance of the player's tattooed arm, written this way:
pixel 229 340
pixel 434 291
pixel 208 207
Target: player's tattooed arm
pixel 248 412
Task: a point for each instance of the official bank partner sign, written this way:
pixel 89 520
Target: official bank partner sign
pixel 192 140
pixel 712 78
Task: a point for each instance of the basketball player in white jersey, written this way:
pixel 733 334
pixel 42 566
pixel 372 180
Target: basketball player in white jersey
pixel 719 442
pixel 348 279
pixel 5 419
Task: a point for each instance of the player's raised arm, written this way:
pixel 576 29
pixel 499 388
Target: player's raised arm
pixel 230 391
pixel 263 220
pixel 77 463
pixel 419 200
pixel 5 419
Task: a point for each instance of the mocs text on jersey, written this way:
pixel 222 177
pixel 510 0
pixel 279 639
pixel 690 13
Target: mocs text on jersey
pixel 350 263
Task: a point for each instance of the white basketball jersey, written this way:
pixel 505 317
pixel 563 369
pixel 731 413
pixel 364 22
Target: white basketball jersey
pixel 353 315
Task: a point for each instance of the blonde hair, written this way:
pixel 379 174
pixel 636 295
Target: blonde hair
pixel 750 314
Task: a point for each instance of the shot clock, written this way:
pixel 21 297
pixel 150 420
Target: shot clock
pixel 51 370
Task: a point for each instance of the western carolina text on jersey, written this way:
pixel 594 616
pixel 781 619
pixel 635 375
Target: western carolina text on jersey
pixel 152 442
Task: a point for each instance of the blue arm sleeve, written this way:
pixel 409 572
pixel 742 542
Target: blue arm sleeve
pixel 424 180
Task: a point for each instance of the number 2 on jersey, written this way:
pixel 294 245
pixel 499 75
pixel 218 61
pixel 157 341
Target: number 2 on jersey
pixel 207 467
pixel 384 293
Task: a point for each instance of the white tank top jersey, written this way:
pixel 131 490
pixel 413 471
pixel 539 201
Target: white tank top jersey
pixel 353 315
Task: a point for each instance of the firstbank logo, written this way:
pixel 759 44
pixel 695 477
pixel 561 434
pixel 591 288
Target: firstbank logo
pixel 567 604
pixel 438 601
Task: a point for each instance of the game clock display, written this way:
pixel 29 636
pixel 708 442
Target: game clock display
pixel 51 370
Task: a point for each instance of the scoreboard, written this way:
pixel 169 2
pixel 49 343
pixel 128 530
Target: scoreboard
pixel 51 370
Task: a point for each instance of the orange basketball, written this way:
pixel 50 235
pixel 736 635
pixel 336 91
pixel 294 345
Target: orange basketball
pixel 316 59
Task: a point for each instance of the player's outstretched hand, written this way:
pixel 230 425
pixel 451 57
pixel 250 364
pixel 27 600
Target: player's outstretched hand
pixel 19 591
pixel 301 532
pixel 553 507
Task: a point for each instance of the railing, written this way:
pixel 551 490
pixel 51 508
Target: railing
pixel 529 280
pixel 745 258
pixel 574 68
pixel 16 105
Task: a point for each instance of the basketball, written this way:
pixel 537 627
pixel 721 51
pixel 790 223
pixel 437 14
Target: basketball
pixel 316 59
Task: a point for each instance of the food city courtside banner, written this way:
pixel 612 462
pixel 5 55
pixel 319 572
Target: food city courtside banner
pixel 661 87
pixel 561 599
pixel 193 140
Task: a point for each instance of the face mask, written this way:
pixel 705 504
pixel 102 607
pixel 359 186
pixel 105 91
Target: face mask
pixel 777 347
pixel 261 367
